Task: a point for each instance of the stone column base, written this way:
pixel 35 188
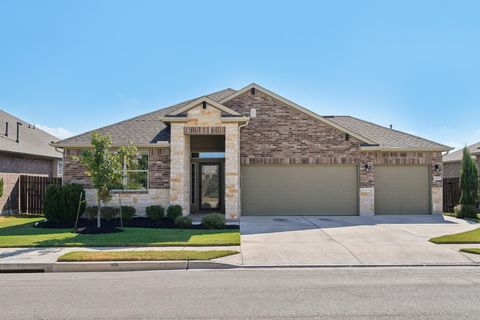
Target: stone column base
pixel 437 200
pixel 367 202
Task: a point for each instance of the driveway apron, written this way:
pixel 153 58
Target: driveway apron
pixel 321 240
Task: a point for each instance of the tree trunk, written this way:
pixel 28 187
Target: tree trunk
pixel 99 215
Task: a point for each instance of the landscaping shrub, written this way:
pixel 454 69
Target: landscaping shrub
pixel 214 221
pixel 174 211
pixel 1 187
pixel 71 196
pixel 128 212
pixel 106 213
pixel 183 222
pixel 60 203
pixel 155 212
pixel 465 211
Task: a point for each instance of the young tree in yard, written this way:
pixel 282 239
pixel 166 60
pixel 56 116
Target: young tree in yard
pixel 104 166
pixel 468 185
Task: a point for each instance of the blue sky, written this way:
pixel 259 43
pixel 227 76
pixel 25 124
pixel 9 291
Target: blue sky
pixel 73 66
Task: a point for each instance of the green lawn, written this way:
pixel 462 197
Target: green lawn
pixel 471 250
pixel 464 237
pixel 18 232
pixel 78 256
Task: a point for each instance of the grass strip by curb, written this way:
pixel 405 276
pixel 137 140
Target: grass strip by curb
pixel 471 250
pixel 90 256
pixel 472 236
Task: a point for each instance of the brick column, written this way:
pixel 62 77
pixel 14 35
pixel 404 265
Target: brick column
pixel 232 171
pixel 180 167
pixel 367 186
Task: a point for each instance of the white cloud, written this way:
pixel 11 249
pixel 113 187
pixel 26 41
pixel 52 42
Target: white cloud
pixel 60 133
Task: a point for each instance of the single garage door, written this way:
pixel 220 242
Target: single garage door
pixel 402 190
pixel 299 190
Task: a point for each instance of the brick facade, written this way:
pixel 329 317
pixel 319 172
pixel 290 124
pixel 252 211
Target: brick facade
pixel 158 164
pixel 280 134
pixel 10 170
pixel 73 171
pixel 159 168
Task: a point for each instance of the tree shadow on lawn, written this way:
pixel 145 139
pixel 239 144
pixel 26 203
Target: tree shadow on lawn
pixel 28 236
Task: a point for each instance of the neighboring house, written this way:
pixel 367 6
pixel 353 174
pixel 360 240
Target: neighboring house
pixel 452 161
pixel 24 149
pixel 253 152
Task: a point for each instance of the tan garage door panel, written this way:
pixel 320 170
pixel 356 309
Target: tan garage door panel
pixel 402 190
pixel 299 189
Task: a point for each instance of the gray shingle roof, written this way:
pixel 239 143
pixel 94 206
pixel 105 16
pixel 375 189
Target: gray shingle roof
pixel 33 141
pixel 457 155
pixel 385 137
pixel 149 128
pixel 141 130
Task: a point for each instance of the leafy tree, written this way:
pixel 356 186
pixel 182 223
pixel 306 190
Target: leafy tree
pixel 105 165
pixel 468 183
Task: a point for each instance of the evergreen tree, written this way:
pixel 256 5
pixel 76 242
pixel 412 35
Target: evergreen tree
pixel 468 185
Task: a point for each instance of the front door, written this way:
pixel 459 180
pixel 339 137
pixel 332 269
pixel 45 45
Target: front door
pixel 210 186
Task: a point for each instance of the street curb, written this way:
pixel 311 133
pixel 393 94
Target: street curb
pixel 111 266
pixel 347 266
pixel 118 266
pixel 25 267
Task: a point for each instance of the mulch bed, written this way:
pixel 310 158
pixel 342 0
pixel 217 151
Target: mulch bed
pixel 139 222
pixel 95 230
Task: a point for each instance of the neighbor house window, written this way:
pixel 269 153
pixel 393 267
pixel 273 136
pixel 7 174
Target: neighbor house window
pixel 60 168
pixel 134 176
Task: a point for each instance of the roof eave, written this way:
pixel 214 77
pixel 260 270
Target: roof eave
pixel 32 155
pixel 160 144
pixel 404 149
pixel 171 119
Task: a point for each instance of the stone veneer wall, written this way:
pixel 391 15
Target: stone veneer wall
pixel 232 172
pixel 280 134
pixel 180 167
pixel 138 199
pixel 10 170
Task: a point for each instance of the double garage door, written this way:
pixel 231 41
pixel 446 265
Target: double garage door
pixel 331 190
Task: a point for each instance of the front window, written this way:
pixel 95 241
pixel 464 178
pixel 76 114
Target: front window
pixel 134 176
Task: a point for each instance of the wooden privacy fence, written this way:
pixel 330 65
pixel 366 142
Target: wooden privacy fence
pixel 32 190
pixel 451 193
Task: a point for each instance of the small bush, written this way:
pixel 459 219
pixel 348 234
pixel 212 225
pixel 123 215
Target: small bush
pixel 106 213
pixel 183 222
pixel 60 203
pixel 156 212
pixel 464 211
pixel 214 221
pixel 128 213
pixel 174 211
pixel 1 186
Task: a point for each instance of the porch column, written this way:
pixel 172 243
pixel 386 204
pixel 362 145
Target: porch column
pixel 232 171
pixel 180 167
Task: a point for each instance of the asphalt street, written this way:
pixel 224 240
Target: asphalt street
pixel 344 293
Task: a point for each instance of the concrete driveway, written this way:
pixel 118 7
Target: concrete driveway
pixel 379 240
